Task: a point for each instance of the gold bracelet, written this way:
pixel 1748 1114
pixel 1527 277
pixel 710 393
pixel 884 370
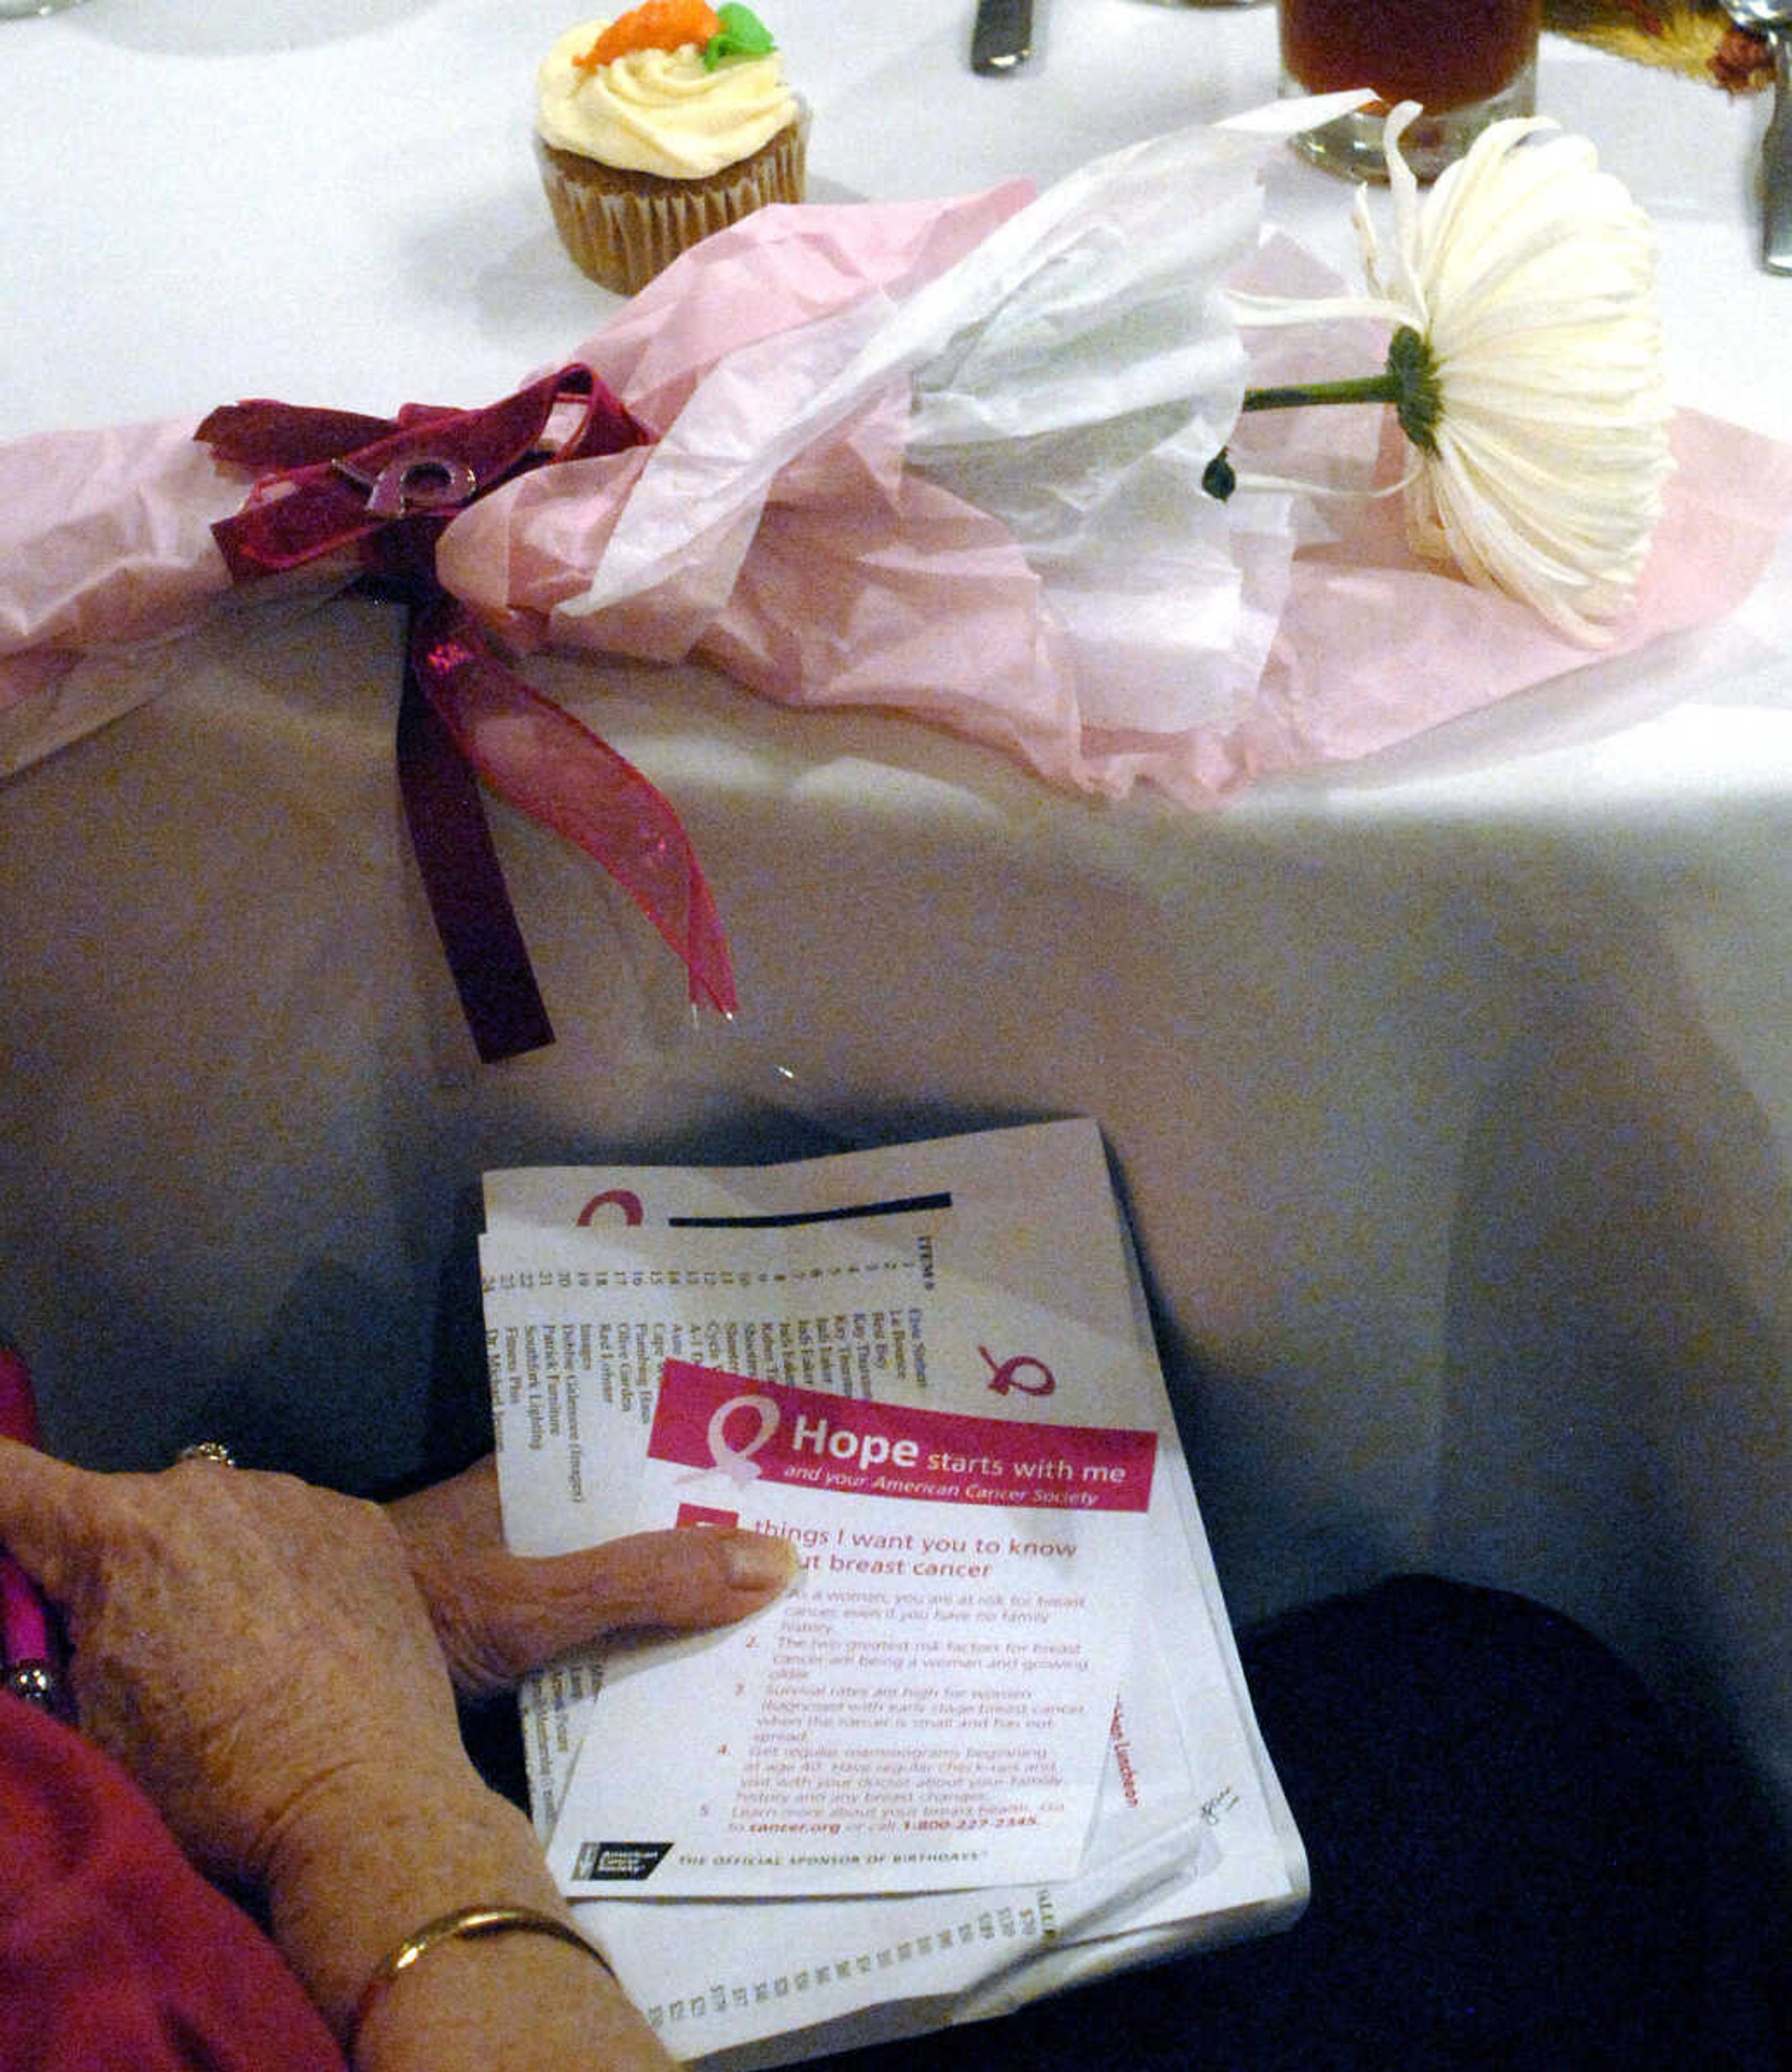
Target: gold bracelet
pixel 471 1920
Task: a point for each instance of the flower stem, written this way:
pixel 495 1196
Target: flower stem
pixel 1408 381
pixel 1383 388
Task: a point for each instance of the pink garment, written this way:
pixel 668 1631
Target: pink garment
pixel 115 1954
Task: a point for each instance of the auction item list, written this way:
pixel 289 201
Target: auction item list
pixel 925 1366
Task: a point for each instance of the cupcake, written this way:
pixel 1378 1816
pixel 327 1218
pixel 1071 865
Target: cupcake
pixel 656 128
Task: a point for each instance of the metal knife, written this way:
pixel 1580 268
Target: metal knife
pixel 1003 37
pixel 1771 20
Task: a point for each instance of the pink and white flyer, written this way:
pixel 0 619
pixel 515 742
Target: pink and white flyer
pixel 930 1707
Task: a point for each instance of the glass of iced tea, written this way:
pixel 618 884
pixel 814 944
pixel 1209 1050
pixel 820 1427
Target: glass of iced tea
pixel 1466 63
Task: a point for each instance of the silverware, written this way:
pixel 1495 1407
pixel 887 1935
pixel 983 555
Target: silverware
pixel 1771 20
pixel 1003 36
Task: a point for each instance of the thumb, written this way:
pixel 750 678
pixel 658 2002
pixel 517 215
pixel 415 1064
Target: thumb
pixel 46 1515
pixel 497 1615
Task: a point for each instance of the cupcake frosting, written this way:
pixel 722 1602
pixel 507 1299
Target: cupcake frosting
pixel 660 111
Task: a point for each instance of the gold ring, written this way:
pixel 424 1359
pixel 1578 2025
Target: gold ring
pixel 207 1450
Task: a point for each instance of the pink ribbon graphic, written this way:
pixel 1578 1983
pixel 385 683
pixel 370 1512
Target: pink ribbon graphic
pixel 737 1463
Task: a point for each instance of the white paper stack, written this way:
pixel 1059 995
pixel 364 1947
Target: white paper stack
pixel 995 1741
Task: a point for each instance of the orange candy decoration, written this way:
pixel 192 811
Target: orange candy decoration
pixel 656 25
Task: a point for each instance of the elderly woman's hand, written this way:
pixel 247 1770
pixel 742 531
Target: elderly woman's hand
pixel 497 1615
pixel 240 1640
pixel 276 1666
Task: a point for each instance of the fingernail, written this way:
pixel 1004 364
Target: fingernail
pixel 759 1561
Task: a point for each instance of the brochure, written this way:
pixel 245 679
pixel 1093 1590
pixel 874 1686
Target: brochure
pixel 995 1740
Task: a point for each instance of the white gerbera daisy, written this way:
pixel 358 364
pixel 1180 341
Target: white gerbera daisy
pixel 1525 367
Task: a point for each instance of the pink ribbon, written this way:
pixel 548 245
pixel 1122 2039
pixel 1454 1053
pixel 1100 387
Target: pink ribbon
pixel 542 759
pixel 331 481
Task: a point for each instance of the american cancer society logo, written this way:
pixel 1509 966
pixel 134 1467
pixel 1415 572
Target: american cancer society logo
pixel 621 1863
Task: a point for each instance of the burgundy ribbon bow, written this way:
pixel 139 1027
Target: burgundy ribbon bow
pixel 384 489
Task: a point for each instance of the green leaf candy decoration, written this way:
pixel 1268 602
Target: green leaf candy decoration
pixel 742 35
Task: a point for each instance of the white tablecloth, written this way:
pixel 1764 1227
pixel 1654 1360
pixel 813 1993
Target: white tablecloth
pixel 1452 1092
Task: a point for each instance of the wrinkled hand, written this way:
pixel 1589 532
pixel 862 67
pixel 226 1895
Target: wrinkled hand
pixel 241 1640
pixel 497 1614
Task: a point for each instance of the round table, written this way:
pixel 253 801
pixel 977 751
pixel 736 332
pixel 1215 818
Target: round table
pixel 1450 1091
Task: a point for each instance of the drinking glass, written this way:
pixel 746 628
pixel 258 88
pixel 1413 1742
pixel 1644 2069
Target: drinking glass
pixel 1467 63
